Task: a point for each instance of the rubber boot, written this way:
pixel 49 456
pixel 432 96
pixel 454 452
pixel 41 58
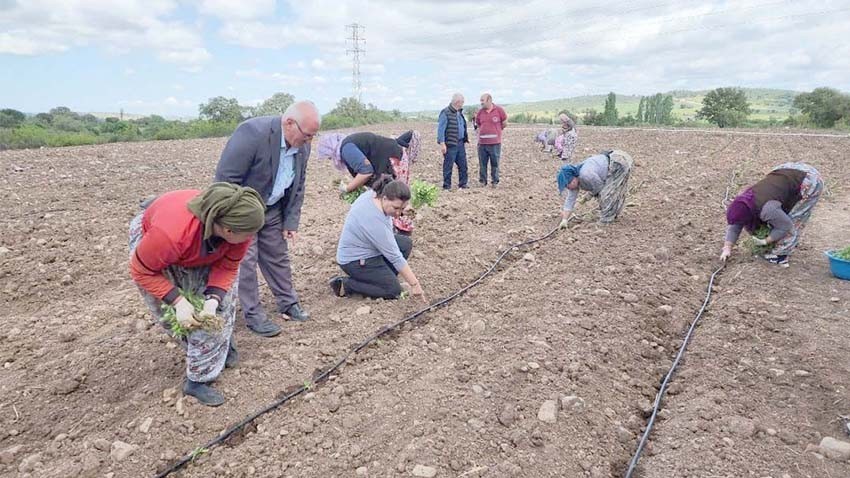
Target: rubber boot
pixel 203 392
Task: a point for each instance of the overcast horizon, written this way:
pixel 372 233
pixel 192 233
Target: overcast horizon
pixel 167 56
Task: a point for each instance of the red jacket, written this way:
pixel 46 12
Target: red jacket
pixel 173 236
pixel 490 125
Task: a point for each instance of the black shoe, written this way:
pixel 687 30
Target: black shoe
pixel 265 328
pixel 781 261
pixel 337 286
pixel 232 359
pixel 463 187
pixel 203 392
pixel 447 188
pixel 296 313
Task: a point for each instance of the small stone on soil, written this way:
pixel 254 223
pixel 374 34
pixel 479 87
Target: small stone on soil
pixel 548 412
pixel 423 471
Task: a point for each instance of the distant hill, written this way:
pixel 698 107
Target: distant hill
pixel 765 103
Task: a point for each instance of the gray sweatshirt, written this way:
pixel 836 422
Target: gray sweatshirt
pixel 771 213
pixel 368 233
pixel 594 172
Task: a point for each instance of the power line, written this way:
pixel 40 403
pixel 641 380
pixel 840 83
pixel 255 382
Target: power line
pixel 355 39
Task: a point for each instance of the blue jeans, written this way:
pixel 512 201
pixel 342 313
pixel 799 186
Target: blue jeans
pixel 455 155
pixel 489 153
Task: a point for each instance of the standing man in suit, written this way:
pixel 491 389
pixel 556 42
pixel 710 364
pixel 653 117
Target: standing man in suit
pixel 269 154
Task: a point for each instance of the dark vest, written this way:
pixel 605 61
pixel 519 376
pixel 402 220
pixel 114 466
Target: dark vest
pixel 378 150
pixel 782 185
pixel 452 127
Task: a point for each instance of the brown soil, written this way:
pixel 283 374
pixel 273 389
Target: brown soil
pixel 82 365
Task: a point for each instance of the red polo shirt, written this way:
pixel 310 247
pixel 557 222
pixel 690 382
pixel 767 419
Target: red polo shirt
pixel 173 236
pixel 490 125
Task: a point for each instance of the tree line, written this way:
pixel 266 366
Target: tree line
pixel 217 117
pixel 722 107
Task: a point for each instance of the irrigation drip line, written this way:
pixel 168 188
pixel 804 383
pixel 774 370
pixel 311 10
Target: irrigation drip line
pixel 327 372
pixel 664 383
pixel 661 391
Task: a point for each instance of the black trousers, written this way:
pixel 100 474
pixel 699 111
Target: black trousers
pixel 376 277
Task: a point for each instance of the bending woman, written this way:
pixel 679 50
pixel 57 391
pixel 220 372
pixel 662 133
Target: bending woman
pixel 369 252
pixel 193 241
pixel 783 200
pixel 368 156
pixel 604 175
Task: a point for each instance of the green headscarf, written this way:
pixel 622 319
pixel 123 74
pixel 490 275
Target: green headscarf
pixel 237 208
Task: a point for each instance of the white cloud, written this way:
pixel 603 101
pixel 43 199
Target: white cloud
pixel 589 48
pixel 241 10
pixel 51 26
pixel 422 51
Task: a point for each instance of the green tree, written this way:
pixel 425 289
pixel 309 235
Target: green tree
pixel 667 110
pixel 10 118
pixel 657 102
pixel 609 116
pixel 824 106
pixel 592 117
pixel 641 107
pixel 221 110
pixel 725 107
pixel 44 119
pixel 61 111
pixel 649 113
pixel 471 111
pixel 276 105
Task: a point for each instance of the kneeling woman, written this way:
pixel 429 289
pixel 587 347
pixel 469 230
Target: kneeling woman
pixel 604 175
pixel 368 251
pixel 193 241
pixel 783 200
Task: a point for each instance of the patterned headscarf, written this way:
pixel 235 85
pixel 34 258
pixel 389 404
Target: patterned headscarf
pixel 413 145
pixel 240 209
pixel 328 148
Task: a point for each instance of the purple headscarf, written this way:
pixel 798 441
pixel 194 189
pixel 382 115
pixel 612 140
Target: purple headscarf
pixel 742 211
pixel 328 148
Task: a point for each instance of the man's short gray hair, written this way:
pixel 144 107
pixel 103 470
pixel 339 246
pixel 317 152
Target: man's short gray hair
pixel 299 110
pixel 456 97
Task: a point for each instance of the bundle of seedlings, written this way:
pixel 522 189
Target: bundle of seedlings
pixel 349 197
pixel 169 316
pixel 423 194
pixel 843 253
pixel 762 232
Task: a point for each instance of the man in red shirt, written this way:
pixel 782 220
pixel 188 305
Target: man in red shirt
pixel 192 242
pixel 489 122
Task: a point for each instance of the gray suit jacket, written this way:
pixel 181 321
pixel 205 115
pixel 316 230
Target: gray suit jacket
pixel 251 158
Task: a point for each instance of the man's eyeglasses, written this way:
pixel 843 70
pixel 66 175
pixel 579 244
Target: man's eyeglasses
pixel 308 136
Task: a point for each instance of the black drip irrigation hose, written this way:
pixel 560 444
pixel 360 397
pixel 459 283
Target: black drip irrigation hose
pixel 661 391
pixel 327 372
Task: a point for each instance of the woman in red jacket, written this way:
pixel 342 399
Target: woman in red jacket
pixel 193 241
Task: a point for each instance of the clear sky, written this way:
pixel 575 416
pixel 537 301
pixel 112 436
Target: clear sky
pixel 167 56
